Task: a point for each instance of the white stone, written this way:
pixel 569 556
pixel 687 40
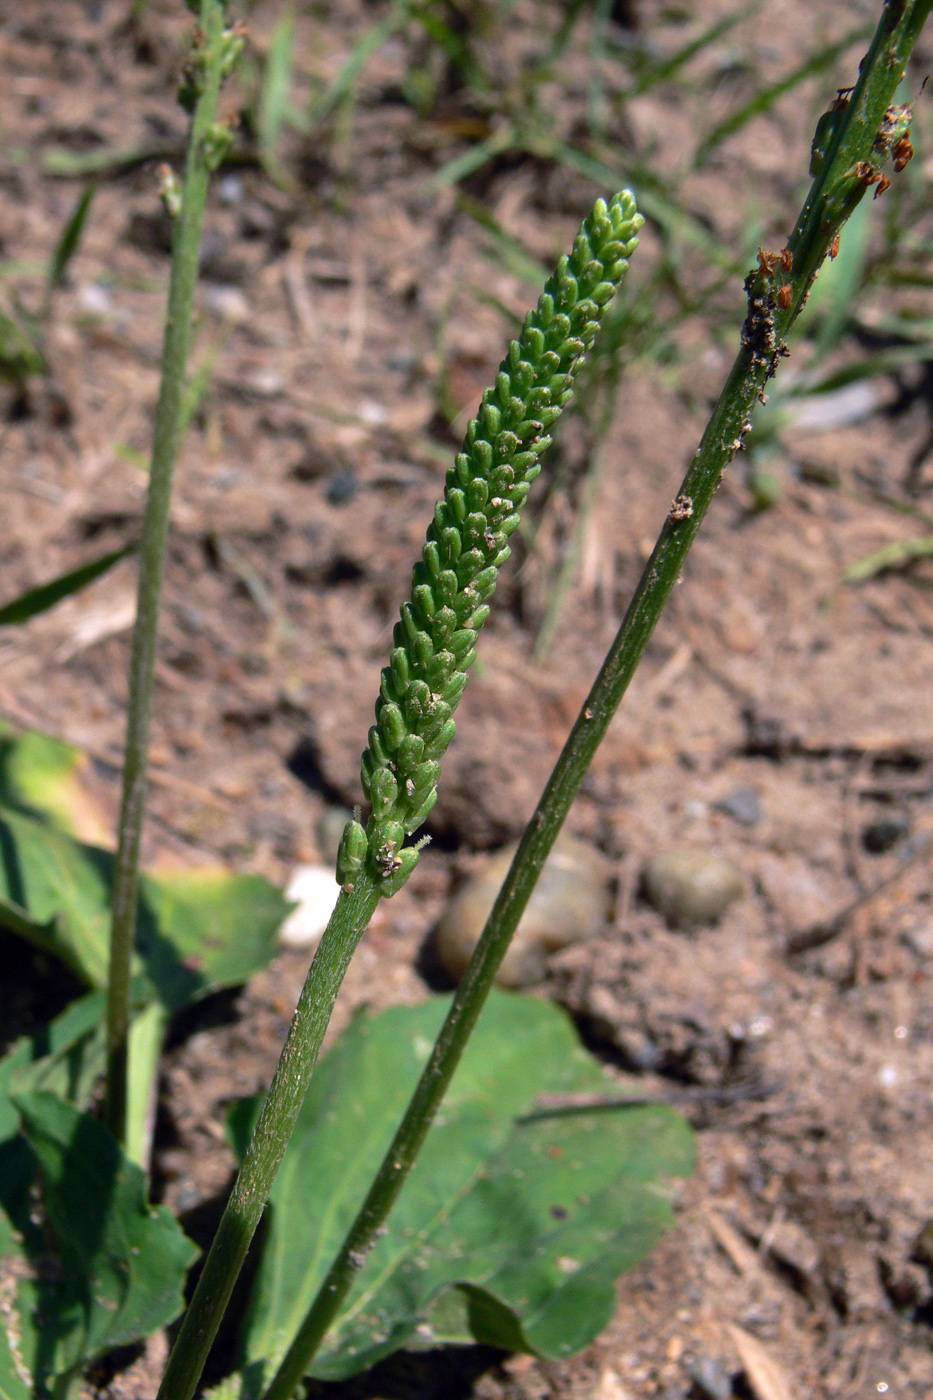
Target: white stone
pixel 314 889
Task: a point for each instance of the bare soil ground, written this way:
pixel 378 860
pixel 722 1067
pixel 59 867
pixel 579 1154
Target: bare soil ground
pixel 337 305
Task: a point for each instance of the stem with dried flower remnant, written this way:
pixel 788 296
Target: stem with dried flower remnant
pixel 762 344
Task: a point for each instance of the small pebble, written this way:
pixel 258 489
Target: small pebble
pixel 570 903
pixel 920 939
pixel 187 1197
pixel 691 888
pixel 837 408
pixel 226 302
pixel 341 488
pixel 266 383
pixel 94 300
pixel 710 1379
pixel 230 189
pixel 314 889
pixel 879 836
pixel 372 413
pixel 743 806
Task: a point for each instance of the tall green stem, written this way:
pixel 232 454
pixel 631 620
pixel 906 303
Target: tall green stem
pixel 466 544
pixel 167 433
pixel 270 1138
pixel 374 862
pixel 830 202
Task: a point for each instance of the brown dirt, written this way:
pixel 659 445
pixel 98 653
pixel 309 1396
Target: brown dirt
pixel 336 306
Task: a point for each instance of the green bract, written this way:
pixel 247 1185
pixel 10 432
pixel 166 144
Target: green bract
pixel 467 543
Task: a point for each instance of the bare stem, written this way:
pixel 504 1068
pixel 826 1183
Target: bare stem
pixel 534 383
pixel 270 1138
pixel 762 344
pixel 167 434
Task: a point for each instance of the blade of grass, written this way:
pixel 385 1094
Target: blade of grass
pixel 20 351
pixel 766 98
pixel 275 96
pixel 563 34
pixel 471 160
pixel 654 200
pixel 511 253
pixel 665 69
pixel 70 240
pixel 367 47
pixel 871 367
pixel 596 90
pixel 71 165
pixel 896 555
pixel 39 600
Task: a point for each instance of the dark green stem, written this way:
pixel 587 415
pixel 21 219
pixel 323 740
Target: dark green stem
pixel 270 1138
pixel 857 137
pixel 166 439
pixel 434 641
pixel 819 222
pixel 467 542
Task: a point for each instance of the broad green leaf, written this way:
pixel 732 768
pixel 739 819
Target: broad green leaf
pixel 12 1384
pixel 207 929
pixel 513 1225
pixel 63 886
pixel 119 1264
pixel 46 595
pixel 67 1057
pixel 46 777
pixel 198 930
pixel 64 1057
pixel 14 919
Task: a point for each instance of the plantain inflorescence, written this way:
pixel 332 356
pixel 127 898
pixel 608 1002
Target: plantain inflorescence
pixel 467 544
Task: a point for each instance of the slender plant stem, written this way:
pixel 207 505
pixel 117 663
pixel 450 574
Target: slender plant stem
pixel 761 346
pixel 819 222
pixel 270 1137
pixel 167 434
pixel 435 639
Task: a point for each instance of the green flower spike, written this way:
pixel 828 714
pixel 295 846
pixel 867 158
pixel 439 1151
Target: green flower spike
pixel 467 544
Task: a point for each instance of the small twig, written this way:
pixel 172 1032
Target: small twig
pixel 562 1105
